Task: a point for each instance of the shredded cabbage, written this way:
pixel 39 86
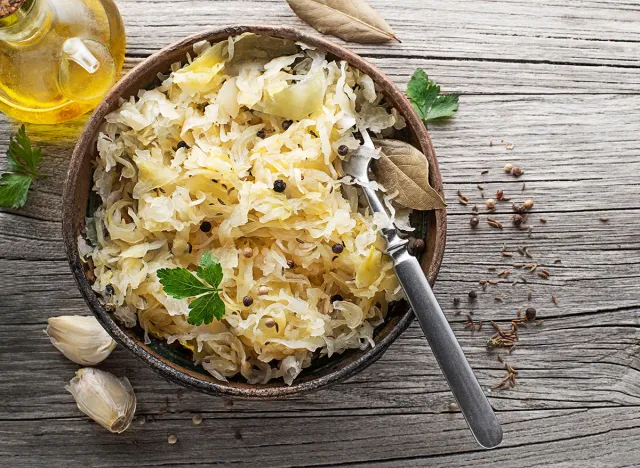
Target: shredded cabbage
pixel 188 152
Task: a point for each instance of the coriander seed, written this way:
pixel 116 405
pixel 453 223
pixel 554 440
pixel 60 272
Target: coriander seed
pixel 491 204
pixel 530 313
pixel 263 291
pixel 528 204
pixel 473 295
pixel 279 186
pixel 508 167
pixel 337 248
pixel 247 301
pixel 517 219
pixel 172 439
pixel 247 252
pixel 474 221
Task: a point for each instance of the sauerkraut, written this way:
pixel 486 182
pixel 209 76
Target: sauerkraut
pixel 206 146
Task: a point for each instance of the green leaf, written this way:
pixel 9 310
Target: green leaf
pixel 181 283
pixel 14 189
pixel 205 308
pixel 22 156
pixel 444 106
pixel 210 270
pixel 424 96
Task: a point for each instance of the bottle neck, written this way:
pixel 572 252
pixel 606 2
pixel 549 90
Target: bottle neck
pixel 28 24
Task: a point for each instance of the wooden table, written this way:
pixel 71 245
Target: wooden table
pixel 560 82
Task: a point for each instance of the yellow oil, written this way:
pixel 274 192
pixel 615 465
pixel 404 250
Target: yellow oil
pixel 30 70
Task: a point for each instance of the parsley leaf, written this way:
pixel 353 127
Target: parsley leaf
pixel 424 96
pixel 23 160
pixel 180 283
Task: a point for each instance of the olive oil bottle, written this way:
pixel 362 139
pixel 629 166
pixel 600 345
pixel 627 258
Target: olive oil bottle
pixel 58 58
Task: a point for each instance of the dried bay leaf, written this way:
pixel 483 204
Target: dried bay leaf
pixel 405 169
pixel 351 20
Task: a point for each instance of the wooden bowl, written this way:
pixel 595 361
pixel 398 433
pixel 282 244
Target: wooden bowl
pixel 175 364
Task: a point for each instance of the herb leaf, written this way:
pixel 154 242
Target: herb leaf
pixel 353 20
pixel 404 169
pixel 205 308
pixel 23 160
pixel 180 283
pixel 424 96
pixel 210 270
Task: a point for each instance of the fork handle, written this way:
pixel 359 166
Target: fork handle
pixel 465 387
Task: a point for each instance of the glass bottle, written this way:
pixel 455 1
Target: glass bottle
pixel 58 58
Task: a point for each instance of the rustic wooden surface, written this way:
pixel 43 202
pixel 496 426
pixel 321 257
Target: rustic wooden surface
pixel 559 80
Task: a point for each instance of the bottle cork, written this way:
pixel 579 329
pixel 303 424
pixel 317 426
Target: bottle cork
pixel 8 7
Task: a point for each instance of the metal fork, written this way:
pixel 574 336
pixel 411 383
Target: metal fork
pixel 465 387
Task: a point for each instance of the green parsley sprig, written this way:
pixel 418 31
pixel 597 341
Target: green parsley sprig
pixel 23 160
pixel 180 283
pixel 425 97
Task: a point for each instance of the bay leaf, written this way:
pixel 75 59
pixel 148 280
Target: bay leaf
pixel 351 20
pixel 405 169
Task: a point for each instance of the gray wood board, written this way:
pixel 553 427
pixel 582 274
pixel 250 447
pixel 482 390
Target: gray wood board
pixel 560 82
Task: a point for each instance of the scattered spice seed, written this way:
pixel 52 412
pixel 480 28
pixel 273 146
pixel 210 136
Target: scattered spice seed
pixel 286 124
pixel 517 172
pixel 528 205
pixel 190 247
pixel 498 298
pixel 491 204
pixel 486 171
pixel 510 146
pixel 261 134
pixel 506 254
pixel 270 323
pixel 480 187
pixel 539 322
pixel 343 150
pixel 279 186
pixel 456 301
pixel 517 220
pixel 500 194
pixel 491 268
pixel 554 299
pixel 494 223
pixel 508 167
pixel 523 186
pixel 172 439
pixel 474 208
pixel 473 295
pixel 604 220
pixel 543 275
pixel 290 263
pixel 509 381
pixel 474 221
pixel 529 294
pixel 526 252
pixel 418 246
pixel 543 220
pixel 205 226
pixel 263 290
pixel 109 290
pixel 247 301
pixel 196 419
pixel 247 252
pixel 462 201
pixel 336 297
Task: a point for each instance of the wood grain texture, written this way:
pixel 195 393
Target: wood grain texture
pixel 560 81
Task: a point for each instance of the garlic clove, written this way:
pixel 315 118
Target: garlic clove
pixel 80 339
pixel 103 397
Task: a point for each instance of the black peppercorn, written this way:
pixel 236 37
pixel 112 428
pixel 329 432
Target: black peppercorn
pixel 343 150
pixel 418 246
pixel 261 134
pixel 286 124
pixel 290 263
pixel 517 219
pixel 473 295
pixel 182 144
pixel 109 290
pixel 456 301
pixel 474 221
pixel 205 227
pixel 337 248
pixel 530 313
pixel 516 171
pixel 337 297
pixel 247 301
pixel 279 186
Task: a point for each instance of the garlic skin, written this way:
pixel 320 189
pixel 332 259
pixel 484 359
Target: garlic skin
pixel 80 339
pixel 103 397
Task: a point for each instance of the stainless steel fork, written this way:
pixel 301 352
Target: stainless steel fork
pixel 465 387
